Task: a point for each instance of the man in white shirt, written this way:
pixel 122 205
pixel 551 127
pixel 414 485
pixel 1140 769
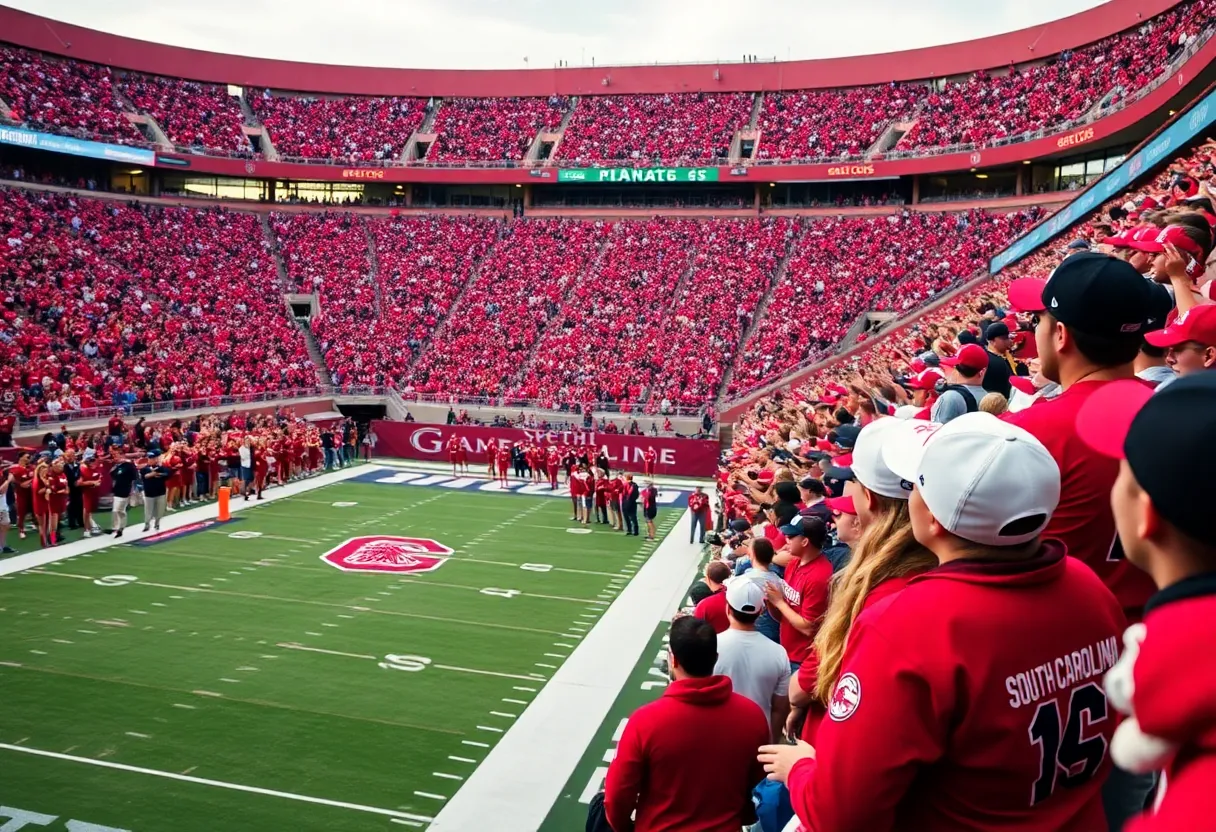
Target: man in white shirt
pixel 758 668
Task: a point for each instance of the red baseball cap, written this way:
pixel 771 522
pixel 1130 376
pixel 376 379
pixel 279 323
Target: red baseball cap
pixel 1197 324
pixel 972 356
pixel 1173 235
pixel 842 504
pixel 927 380
pixel 765 476
pixel 1026 295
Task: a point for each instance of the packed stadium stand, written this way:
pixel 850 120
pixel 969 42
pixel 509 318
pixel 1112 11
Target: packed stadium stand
pixel 991 105
pixel 685 128
pixel 349 129
pixel 192 114
pixel 493 129
pixel 117 303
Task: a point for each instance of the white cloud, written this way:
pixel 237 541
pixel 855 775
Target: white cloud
pixel 476 34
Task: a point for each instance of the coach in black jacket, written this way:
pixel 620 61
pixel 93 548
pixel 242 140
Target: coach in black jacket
pixel 629 505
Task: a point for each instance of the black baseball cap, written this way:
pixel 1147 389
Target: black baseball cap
pixel 997 330
pixel 812 528
pixel 845 436
pixel 1166 438
pixel 1097 294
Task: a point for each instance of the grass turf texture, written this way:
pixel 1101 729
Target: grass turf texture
pixel 251 661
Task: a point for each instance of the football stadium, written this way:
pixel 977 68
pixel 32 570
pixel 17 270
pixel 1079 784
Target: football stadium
pixel 556 448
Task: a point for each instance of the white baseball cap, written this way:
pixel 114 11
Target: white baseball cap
pixel 745 595
pixel 869 467
pixel 983 479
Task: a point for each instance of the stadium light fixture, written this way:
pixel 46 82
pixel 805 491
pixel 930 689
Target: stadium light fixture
pixel 135 172
pixel 1026 162
pixel 518 185
pixel 772 184
pixel 981 176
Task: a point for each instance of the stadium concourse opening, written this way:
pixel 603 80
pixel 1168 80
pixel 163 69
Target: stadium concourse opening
pixel 360 425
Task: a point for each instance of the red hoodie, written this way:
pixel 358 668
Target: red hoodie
pixel 688 761
pixel 971 701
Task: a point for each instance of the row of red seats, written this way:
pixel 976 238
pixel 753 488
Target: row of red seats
pixel 106 299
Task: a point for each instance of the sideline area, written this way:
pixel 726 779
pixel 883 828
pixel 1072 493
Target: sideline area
pixel 170 522
pixel 524 774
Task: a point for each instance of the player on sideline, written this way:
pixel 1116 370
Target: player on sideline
pixel 504 465
pixel 453 446
pixel 578 484
pixel 649 457
pixel 553 464
pixel 601 499
pixel 991 717
pixel 23 476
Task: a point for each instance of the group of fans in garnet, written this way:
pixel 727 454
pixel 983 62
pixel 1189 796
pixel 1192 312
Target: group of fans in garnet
pixel 1020 638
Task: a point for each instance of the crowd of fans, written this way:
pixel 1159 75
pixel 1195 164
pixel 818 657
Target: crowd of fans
pixel 518 292
pixel 608 347
pixel 192 114
pixel 1034 460
pixel 492 129
pixel 831 123
pixel 63 96
pixel 347 128
pixel 667 128
pixel 108 302
pixel 843 267
pixel 988 106
pixel 732 270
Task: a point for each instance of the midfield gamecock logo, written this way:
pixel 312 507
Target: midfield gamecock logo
pixel 388 554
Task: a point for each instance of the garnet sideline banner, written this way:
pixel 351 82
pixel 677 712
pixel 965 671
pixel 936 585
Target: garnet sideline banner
pixel 411 440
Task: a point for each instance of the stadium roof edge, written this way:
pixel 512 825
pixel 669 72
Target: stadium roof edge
pixel 42 33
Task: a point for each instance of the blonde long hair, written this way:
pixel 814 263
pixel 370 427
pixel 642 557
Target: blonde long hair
pixel 887 549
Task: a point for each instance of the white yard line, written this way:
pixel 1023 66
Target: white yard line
pixel 524 773
pixel 219 784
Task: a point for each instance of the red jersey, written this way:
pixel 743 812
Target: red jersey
pixel 1083 521
pixel 453 446
pixel 687 761
pixel 713 610
pixel 601 492
pixel 990 718
pixel 22 476
pixel 1173 698
pixel 698 503
pixel 554 460
pixel 504 457
pixel 578 484
pixel 808 594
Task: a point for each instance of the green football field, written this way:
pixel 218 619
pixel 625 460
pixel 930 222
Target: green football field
pixel 230 679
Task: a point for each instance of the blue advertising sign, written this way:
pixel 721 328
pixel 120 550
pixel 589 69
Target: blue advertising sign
pixel 1190 124
pixel 21 137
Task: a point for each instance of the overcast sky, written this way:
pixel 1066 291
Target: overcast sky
pixel 480 34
